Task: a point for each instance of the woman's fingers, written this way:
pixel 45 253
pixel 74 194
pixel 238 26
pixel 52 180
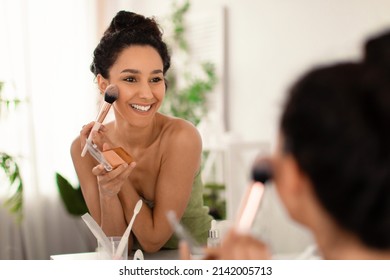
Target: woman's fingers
pixel 100 138
pixel 110 183
pixel 86 128
pixel 97 136
pixel 248 248
pixel 106 146
pixel 128 170
pixel 84 133
pixel 98 170
pixel 239 247
pixel 184 250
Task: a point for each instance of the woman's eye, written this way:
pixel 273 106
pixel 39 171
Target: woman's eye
pixel 130 79
pixel 156 80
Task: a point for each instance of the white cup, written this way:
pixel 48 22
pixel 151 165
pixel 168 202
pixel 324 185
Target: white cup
pixel 114 243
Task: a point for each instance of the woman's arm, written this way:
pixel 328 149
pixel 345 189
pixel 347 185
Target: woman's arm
pixel 180 162
pixel 100 189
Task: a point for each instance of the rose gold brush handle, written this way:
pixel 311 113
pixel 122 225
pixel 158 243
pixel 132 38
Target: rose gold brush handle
pixel 249 206
pixel 261 173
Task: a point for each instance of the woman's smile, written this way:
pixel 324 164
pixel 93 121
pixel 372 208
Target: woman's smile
pixel 141 108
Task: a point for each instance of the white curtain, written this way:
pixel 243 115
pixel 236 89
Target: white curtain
pixel 45 50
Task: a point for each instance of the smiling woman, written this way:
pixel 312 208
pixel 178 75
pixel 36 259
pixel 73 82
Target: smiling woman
pixel 167 150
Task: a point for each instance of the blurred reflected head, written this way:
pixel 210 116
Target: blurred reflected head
pixel 336 126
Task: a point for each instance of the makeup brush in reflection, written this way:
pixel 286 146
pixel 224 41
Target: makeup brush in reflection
pixel 262 170
pixel 261 173
pixel 110 96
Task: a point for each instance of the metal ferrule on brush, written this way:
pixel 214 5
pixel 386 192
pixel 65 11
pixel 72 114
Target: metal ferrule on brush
pixel 103 112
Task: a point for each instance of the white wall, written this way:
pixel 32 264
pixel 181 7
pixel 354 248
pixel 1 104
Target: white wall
pixel 270 42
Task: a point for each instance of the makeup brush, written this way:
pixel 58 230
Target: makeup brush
pixel 261 173
pixel 262 170
pixel 110 96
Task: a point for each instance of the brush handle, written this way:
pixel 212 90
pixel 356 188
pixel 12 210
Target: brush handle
pixel 122 243
pixel 183 234
pixel 95 127
pixel 249 207
pixel 97 232
pixel 125 237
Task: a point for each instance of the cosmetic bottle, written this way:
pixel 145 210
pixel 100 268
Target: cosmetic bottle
pixel 213 239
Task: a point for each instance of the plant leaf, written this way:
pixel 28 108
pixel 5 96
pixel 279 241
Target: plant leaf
pixel 11 169
pixel 72 197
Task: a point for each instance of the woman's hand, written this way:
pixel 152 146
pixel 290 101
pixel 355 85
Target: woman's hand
pixel 98 137
pixel 239 247
pixel 110 183
pixel 233 247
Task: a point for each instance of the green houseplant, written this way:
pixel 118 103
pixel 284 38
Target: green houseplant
pixel 188 101
pixel 212 198
pixel 71 196
pixel 9 167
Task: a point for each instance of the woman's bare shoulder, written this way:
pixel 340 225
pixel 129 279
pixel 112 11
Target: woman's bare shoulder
pixel 177 128
pixel 75 146
pixel 78 161
pixel 82 165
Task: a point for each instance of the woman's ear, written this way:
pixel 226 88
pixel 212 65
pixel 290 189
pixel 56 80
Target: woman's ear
pixel 298 179
pixel 294 188
pixel 303 204
pixel 102 83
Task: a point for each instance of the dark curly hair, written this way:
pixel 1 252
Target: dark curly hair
pixel 127 29
pixel 336 124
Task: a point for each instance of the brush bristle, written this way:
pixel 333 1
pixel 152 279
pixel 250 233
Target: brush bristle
pixel 111 94
pixel 262 171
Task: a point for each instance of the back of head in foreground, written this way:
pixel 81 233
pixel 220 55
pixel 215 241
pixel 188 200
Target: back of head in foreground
pixel 332 165
pixel 336 126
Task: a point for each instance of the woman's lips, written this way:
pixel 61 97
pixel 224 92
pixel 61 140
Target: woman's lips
pixel 141 108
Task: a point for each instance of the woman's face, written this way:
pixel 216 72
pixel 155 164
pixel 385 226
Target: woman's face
pixel 138 73
pixel 279 169
pixel 287 177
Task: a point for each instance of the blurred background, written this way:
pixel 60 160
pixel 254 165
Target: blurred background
pixel 232 63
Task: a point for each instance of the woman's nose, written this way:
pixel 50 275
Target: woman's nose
pixel 145 91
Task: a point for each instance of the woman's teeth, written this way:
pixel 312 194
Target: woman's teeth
pixel 141 108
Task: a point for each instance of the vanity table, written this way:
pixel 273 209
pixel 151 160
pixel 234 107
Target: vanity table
pixel 160 255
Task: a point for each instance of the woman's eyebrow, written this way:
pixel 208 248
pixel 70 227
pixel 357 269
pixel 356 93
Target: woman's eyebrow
pixel 157 71
pixel 135 71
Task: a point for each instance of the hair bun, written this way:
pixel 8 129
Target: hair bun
pixel 129 21
pixel 377 51
pixel 124 20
